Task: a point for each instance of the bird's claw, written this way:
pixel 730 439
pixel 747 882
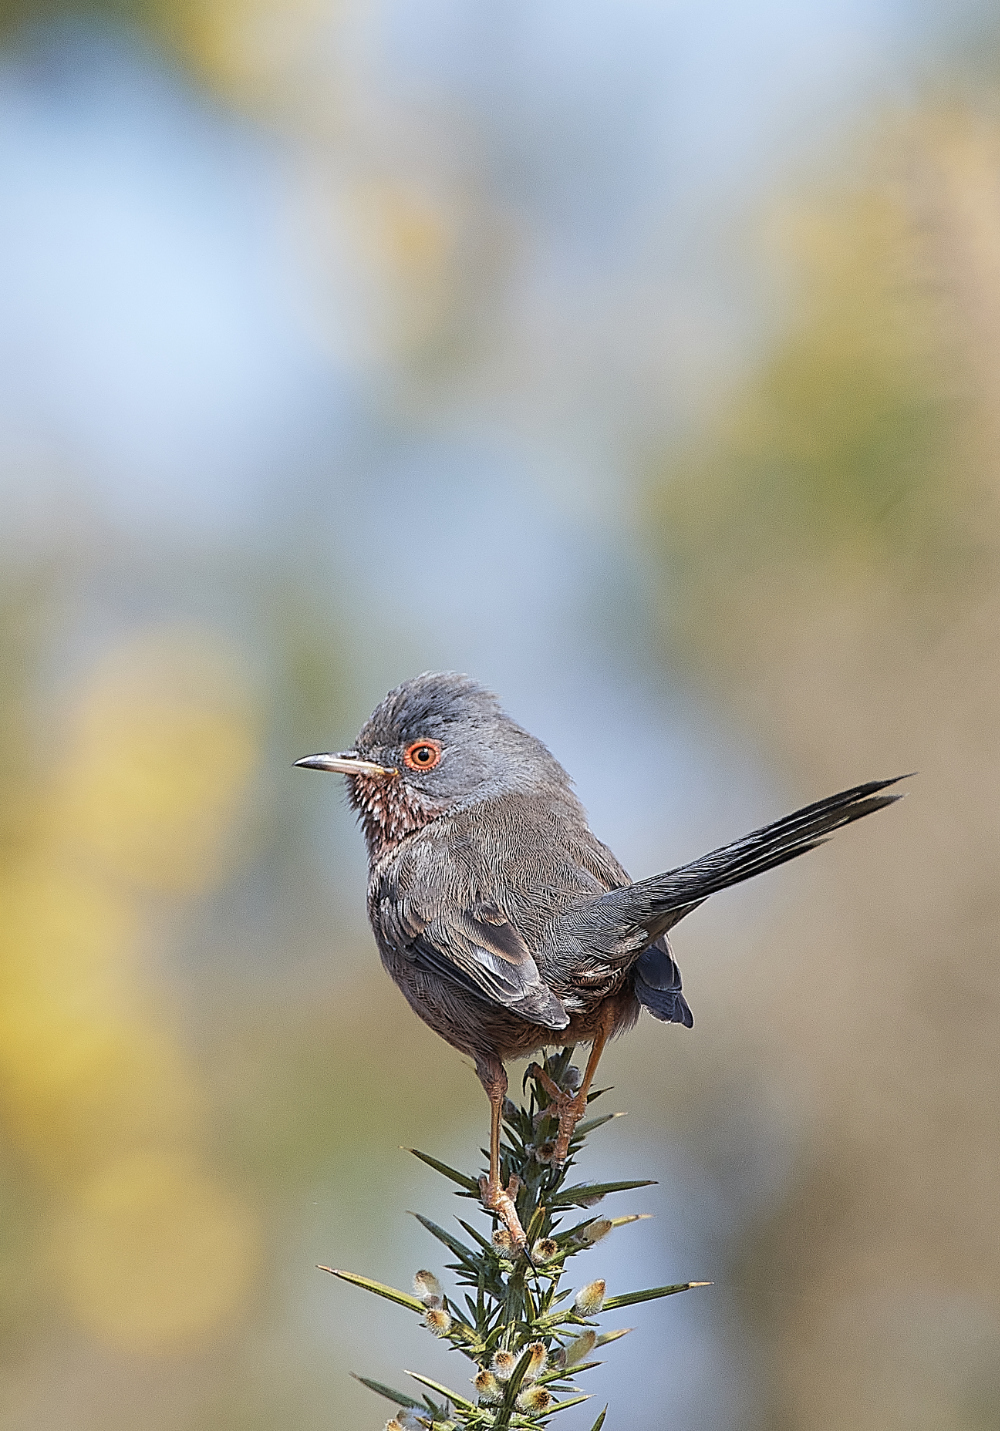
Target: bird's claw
pixel 537 1072
pixel 571 1110
pixel 568 1107
pixel 499 1199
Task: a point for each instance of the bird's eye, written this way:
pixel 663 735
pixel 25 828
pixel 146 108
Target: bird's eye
pixel 422 755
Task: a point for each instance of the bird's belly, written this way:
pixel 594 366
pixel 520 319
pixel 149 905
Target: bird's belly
pixel 474 1025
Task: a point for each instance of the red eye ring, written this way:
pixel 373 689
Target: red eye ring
pixel 422 754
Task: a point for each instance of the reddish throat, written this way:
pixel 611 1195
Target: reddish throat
pixel 388 809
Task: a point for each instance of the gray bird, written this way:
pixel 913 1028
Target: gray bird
pixel 506 923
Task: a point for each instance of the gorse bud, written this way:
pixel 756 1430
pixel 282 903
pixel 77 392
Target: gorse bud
pixel 595 1230
pixel 489 1388
pixel 538 1362
pixel 536 1398
pixel 427 1288
pixel 503 1364
pixel 580 1347
pixel 437 1320
pixel 503 1242
pixel 590 1299
pixel 544 1250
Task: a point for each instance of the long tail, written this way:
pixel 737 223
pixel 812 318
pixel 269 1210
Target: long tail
pixel 641 912
pixel 770 846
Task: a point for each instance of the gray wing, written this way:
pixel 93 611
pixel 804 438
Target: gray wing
pixel 478 948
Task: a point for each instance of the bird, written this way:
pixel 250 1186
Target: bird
pixel 505 922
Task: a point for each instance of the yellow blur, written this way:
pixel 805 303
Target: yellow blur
pixel 148 1246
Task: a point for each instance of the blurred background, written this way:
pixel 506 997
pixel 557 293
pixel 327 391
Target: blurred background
pixel 642 360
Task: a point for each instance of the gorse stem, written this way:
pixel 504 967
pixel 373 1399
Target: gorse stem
pixel 526 1339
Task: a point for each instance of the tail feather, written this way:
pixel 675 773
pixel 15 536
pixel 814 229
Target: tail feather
pixel 783 840
pixel 641 912
pixel 771 845
pixel 657 984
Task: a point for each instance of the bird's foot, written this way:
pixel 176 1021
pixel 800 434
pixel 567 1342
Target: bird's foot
pixel 569 1108
pixel 499 1199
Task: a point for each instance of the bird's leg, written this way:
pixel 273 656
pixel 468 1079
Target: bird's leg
pixel 571 1107
pixel 496 1198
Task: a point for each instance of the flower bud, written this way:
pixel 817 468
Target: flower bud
pixel 557 1358
pixel 503 1243
pixel 580 1347
pixel 594 1231
pixel 437 1320
pixel 544 1151
pixel 544 1250
pixel 427 1288
pixel 510 1110
pixel 572 1078
pixel 537 1364
pixel 591 1201
pixel 590 1299
pixel 536 1398
pixel 503 1364
pixel 488 1387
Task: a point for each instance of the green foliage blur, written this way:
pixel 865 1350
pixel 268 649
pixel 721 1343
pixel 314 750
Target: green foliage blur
pixel 829 554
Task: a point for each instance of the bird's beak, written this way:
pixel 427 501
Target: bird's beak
pixel 348 762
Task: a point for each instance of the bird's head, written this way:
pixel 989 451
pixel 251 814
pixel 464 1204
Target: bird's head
pixel 436 744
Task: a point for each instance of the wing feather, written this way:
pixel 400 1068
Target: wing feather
pixel 480 949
